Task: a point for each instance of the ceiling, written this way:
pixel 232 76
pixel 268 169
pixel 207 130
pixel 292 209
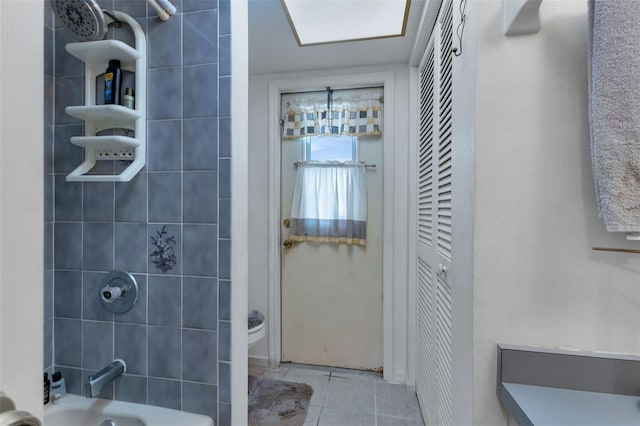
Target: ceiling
pixel 273 47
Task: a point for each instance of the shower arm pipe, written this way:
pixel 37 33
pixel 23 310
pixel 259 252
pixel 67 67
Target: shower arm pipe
pixel 617 250
pixel 163 14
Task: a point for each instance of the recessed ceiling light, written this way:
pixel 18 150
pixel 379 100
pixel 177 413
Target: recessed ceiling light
pixel 331 21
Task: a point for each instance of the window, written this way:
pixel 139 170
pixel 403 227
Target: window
pixel 331 148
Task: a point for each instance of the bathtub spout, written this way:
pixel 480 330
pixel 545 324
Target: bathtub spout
pixel 97 382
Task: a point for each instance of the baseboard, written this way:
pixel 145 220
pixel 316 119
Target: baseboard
pixel 258 361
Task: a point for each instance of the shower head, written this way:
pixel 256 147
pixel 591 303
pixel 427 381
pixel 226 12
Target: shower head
pixel 84 18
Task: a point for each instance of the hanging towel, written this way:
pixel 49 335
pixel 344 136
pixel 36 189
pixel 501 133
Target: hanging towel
pixel 614 110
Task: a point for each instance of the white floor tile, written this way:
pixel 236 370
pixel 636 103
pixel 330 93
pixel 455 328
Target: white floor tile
pixel 303 371
pixel 345 417
pixel 397 401
pixel 397 421
pixel 313 415
pixel 350 394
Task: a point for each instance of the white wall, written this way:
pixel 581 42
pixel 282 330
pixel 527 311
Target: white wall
pixel 537 281
pixel 21 202
pixel 259 195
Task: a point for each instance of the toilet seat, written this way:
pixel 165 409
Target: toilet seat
pixel 256 333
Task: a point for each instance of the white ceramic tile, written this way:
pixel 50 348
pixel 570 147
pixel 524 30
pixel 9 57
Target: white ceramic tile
pixel 364 376
pixel 355 395
pixel 343 417
pixel 303 371
pixel 397 421
pixel 318 383
pixel 313 415
pixel 397 401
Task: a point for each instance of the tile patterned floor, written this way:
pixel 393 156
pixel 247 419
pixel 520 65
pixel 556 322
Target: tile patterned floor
pixel 350 398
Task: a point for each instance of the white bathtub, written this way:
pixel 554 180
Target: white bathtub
pixel 75 410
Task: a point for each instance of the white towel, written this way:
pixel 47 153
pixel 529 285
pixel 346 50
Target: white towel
pixel 614 110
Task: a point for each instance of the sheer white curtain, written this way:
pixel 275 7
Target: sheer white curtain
pixel 330 203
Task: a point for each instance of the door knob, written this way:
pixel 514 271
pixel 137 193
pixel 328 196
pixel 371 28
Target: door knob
pixel 287 243
pixel 442 269
pixel 286 223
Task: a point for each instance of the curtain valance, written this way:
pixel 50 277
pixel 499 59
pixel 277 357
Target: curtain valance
pixel 353 117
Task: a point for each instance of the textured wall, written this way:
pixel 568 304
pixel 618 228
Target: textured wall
pixel 176 340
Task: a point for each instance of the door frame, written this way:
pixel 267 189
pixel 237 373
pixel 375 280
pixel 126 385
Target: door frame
pixel 394 306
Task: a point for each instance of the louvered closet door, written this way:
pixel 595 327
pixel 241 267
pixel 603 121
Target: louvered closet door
pixel 434 295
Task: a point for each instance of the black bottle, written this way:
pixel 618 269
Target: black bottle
pixel 47 386
pixel 112 83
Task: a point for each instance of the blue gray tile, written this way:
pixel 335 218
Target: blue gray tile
pixel 49 19
pixel 164 300
pixel 200 144
pixel 72 379
pixel 164 92
pixel 97 344
pixel 92 308
pixel 225 55
pixel 200 97
pixel 224 300
pixel 224 182
pixel 49 100
pixel 131 388
pixel 164 352
pixel 193 5
pixel 48 343
pixel 68 342
pixel 164 42
pixel 225 137
pixel 224 417
pixel 47 41
pixel 133 8
pixel 97 246
pixel 165 393
pixel 48 294
pixel 47 136
pixel 68 245
pixel 125 34
pixel 224 7
pixel 224 218
pixel 200 303
pixel 131 247
pixel 199 355
pixel 225 97
pixel 69 91
pixel 224 383
pixel 66 156
pixel 224 259
pixel 200 250
pixel 200 200
pixel 200 399
pixel 200 37
pixel 131 346
pixel 131 200
pixel 137 314
pixel 97 201
pixel 65 63
pixel 48 197
pixel 224 341
pixel 165 193
pixel 165 145
pixel 68 200
pixel 48 246
pixel 68 294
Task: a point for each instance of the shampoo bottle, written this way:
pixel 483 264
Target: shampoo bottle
pixel 112 83
pixel 47 385
pixel 58 387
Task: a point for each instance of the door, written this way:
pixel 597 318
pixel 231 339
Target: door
pixel 332 293
pixel 435 302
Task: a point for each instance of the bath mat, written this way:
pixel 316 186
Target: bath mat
pixel 275 402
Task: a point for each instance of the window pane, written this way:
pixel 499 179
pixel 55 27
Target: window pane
pixel 331 148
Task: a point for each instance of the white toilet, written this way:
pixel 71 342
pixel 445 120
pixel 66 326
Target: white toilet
pixel 257 329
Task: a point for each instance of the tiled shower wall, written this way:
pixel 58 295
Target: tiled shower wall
pixel 176 339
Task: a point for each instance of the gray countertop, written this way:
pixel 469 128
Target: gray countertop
pixel 549 406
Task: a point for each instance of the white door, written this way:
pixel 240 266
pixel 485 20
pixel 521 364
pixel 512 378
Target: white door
pixel 434 249
pixel 332 294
